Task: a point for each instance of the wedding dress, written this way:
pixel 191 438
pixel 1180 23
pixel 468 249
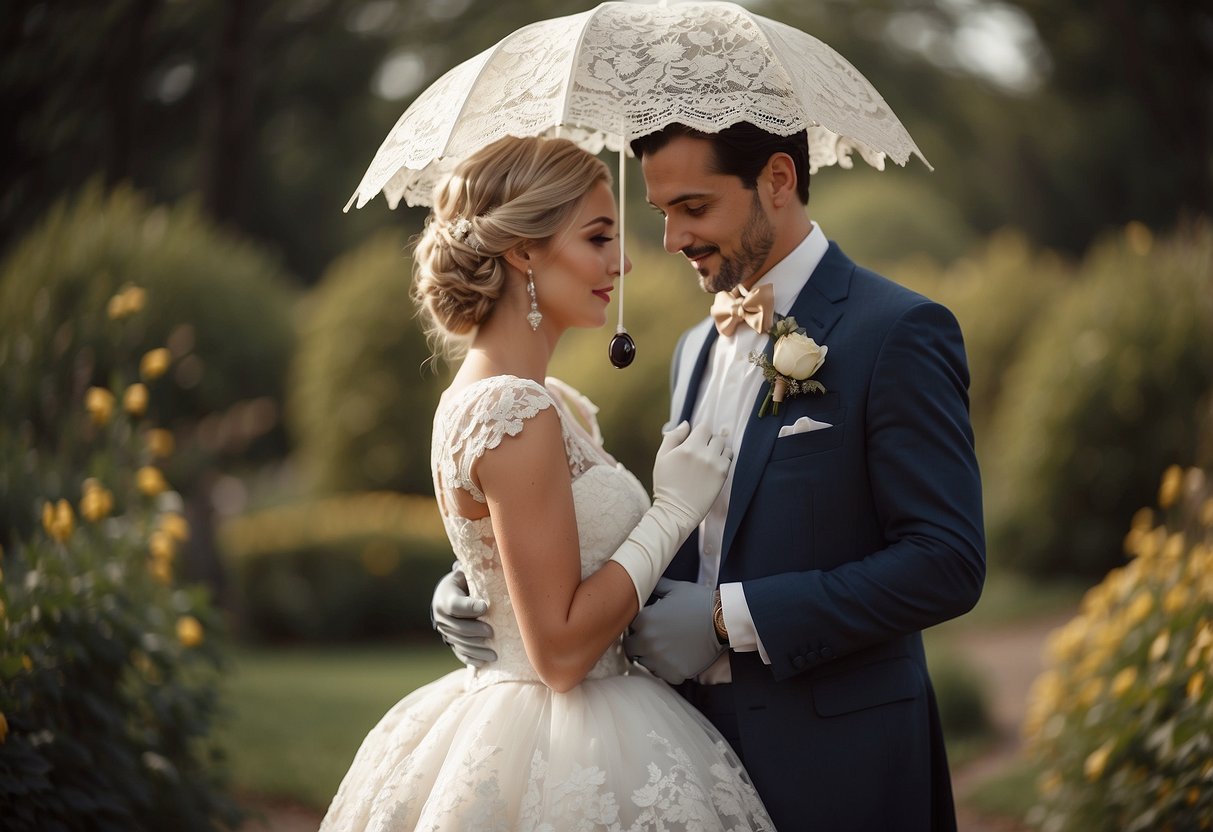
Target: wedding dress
pixel 496 749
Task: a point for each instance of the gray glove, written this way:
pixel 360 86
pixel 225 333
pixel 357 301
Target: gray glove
pixel 674 637
pixel 454 614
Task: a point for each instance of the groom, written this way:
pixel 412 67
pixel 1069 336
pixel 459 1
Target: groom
pixel 851 520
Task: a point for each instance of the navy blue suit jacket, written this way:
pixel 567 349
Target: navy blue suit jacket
pixel 849 541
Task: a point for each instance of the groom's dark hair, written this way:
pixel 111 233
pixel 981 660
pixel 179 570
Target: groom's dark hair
pixel 741 150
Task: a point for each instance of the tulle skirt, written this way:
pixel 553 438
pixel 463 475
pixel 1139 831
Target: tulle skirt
pixel 617 753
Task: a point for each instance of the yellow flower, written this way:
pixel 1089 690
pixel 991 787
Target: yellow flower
pixel 1206 514
pixel 150 481
pixel 189 631
pixel 3 727
pixel 59 521
pixel 155 363
pixel 175 526
pixel 97 501
pixel 1090 692
pixel 1124 680
pixel 1168 489
pixel 1204 635
pixel 162 546
pixel 1139 237
pixel 161 570
pixel 1174 546
pixel 129 300
pixel 1158 647
pixel 134 400
pixel 1139 607
pixel 1176 599
pixel 160 442
pixel 1065 642
pixel 99 402
pixel 1196 686
pixel 1050 782
pixel 27 663
pixel 1097 761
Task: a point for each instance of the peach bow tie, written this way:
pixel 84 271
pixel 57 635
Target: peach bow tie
pixel 755 308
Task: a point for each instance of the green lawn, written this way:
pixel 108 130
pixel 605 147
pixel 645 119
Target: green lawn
pixel 297 715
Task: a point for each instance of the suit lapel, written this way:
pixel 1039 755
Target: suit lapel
pixel 817 308
pixel 694 360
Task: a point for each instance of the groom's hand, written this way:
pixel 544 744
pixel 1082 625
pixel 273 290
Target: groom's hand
pixel 454 614
pixel 674 637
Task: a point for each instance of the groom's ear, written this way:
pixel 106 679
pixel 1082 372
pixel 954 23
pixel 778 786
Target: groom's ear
pixel 780 173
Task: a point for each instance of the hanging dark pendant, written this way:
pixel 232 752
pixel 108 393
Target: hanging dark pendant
pixel 622 350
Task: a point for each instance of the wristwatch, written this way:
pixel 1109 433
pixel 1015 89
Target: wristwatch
pixel 722 632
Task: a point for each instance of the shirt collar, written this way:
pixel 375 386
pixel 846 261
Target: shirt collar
pixel 789 275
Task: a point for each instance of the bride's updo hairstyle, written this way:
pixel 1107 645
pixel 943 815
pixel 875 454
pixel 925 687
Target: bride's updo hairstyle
pixel 510 194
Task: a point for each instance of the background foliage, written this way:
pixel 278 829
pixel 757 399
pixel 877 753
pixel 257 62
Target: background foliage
pixel 1015 102
pixel 1122 718
pixel 218 303
pixel 362 387
pixel 1077 438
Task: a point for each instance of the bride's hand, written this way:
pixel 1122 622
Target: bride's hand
pixel 690 469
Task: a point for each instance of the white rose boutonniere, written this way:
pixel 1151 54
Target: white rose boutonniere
pixel 790 370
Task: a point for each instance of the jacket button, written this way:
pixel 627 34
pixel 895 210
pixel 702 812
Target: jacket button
pixel 798 662
pixel 827 653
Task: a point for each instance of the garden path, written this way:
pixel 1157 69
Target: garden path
pixel 1008 658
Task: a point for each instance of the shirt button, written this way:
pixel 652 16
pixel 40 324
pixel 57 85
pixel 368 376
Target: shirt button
pixel 724 432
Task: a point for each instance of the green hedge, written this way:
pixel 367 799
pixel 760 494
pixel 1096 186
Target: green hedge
pixel 220 305
pixel 337 568
pixel 362 391
pixel 1105 393
pixel 1121 720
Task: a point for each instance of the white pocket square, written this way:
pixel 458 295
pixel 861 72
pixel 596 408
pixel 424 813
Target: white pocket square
pixel 802 425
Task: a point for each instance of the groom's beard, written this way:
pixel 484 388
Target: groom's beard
pixel 757 239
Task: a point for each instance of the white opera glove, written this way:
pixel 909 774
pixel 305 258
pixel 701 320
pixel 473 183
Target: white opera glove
pixel 688 474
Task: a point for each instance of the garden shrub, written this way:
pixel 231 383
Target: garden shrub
pixel 964 709
pixel 362 391
pixel 109 664
pixel 996 293
pixel 879 219
pixel 337 568
pixel 221 307
pixel 1121 720
pixel 1105 394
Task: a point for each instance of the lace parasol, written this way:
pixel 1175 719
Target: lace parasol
pixel 622 70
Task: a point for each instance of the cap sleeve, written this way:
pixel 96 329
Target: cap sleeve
pixel 480 417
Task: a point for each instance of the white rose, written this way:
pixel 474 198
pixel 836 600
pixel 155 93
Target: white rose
pixel 798 356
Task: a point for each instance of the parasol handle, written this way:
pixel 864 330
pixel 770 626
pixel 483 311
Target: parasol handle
pixel 622 349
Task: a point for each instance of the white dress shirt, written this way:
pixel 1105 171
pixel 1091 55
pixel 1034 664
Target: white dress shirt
pixel 726 396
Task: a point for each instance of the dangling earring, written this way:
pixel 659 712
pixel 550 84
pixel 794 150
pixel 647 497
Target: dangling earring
pixel 534 317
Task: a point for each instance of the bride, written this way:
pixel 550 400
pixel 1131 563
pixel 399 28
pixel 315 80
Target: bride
pixel 562 732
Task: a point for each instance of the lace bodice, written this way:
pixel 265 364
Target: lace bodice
pixel 607 498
